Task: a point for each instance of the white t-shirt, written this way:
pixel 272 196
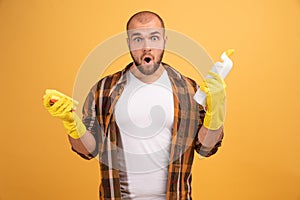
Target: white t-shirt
pixel 144 114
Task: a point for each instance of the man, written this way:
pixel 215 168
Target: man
pixel 142 122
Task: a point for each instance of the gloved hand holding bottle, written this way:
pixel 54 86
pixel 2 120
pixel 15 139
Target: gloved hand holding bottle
pixel 212 92
pixel 61 106
pixel 214 88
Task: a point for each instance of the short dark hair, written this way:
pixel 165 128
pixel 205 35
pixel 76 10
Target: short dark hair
pixel 142 16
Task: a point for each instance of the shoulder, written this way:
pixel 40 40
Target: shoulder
pixel 111 80
pixel 178 76
pixel 104 86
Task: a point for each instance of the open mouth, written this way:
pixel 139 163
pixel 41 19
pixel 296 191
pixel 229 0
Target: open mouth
pixel 147 59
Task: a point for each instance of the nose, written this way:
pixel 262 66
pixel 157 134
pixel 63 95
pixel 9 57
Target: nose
pixel 146 46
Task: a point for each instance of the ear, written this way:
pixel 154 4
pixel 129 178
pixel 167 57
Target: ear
pixel 166 40
pixel 127 40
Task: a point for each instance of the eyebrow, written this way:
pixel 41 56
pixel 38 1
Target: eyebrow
pixel 152 33
pixel 155 32
pixel 136 34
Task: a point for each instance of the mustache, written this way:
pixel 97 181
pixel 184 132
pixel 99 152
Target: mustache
pixel 147 55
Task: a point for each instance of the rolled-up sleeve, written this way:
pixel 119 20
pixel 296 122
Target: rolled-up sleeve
pixel 89 119
pixel 208 151
pixel 199 147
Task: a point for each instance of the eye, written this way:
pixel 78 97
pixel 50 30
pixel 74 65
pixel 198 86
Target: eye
pixel 137 39
pixel 154 38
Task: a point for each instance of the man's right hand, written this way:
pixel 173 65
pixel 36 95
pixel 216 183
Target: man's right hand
pixel 59 106
pixel 62 107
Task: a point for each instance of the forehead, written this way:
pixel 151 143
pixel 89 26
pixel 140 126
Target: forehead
pixel 145 31
pixel 145 24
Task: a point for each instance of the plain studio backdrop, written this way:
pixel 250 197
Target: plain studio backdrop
pixel 44 43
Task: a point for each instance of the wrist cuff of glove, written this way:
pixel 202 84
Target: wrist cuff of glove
pixel 211 122
pixel 75 129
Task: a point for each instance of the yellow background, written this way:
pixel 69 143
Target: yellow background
pixel 43 43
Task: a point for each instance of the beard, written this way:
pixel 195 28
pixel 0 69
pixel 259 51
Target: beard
pixel 147 69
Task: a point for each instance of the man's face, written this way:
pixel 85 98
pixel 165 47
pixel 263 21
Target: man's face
pixel 146 44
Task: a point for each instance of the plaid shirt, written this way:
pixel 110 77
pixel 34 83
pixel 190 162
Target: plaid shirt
pixel 188 117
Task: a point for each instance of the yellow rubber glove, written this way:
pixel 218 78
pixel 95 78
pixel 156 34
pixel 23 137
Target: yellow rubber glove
pixel 62 107
pixel 215 93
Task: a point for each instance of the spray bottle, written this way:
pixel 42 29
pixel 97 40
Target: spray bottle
pixel 221 68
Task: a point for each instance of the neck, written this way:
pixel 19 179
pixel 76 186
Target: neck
pixel 147 78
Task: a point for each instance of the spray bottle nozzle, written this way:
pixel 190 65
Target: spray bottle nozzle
pixel 229 52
